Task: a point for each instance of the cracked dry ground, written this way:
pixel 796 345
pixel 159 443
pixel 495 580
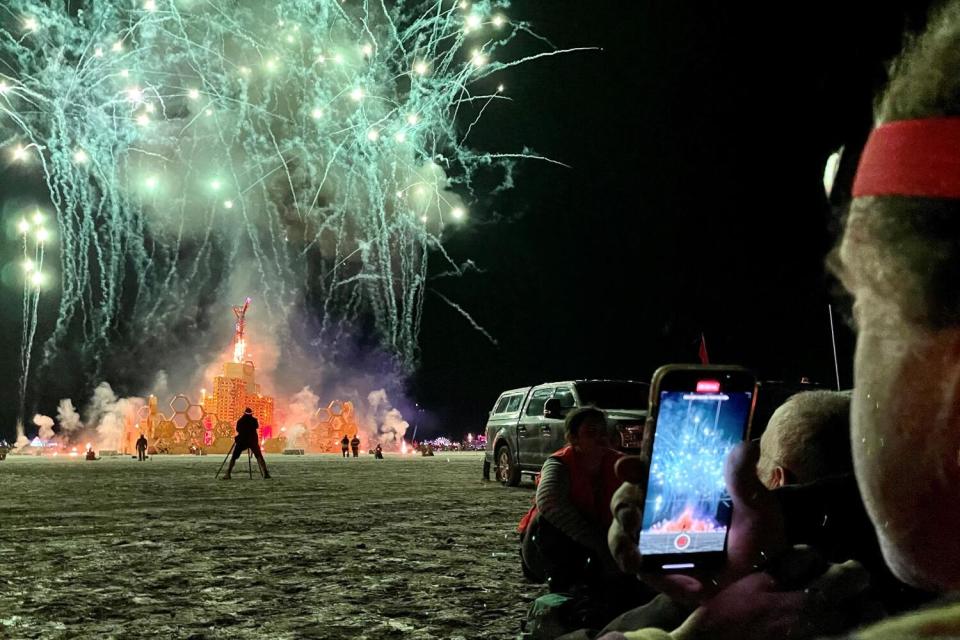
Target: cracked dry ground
pixel 329 548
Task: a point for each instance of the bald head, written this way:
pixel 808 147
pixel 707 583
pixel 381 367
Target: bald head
pixel 807 439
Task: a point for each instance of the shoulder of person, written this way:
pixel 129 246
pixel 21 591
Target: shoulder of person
pixel 937 621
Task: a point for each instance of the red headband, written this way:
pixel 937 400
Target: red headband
pixel 918 158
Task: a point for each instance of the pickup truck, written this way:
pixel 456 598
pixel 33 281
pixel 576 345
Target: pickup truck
pixel 526 425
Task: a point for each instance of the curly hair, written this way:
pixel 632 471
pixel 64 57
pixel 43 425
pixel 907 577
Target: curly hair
pixel 914 256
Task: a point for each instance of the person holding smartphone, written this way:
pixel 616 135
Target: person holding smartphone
pixel 899 257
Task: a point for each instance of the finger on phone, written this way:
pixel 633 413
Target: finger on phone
pixel 633 469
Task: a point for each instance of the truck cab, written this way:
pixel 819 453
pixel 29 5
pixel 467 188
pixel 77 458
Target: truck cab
pixel 523 429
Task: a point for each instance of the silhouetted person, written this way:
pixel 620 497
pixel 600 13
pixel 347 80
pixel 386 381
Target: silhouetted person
pixel 345 446
pixel 142 448
pixel 378 452
pixel 247 438
pixel 355 446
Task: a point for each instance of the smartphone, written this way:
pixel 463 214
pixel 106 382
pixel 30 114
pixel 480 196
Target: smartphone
pixel 698 414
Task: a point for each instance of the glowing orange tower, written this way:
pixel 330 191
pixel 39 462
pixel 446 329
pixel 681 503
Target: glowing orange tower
pixel 236 387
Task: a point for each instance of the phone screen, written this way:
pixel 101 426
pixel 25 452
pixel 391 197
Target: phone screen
pixel 687 507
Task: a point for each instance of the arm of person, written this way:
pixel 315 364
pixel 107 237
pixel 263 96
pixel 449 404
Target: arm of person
pixel 553 503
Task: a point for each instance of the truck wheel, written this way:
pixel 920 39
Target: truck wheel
pixel 508 473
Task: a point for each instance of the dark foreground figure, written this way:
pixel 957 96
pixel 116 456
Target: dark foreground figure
pixel 247 438
pixel 141 448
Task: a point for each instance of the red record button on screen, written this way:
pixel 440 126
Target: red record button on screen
pixel 708 386
pixel 682 541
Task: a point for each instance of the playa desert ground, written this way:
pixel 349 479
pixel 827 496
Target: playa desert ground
pixel 328 548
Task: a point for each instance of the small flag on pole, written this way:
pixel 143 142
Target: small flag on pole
pixel 704 358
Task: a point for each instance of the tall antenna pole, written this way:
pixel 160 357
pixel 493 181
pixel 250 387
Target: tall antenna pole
pixel 239 344
pixel 833 340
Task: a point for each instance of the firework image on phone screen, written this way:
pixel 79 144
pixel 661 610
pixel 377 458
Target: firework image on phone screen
pixel 687 508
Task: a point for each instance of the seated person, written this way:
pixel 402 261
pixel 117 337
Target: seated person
pixel 564 535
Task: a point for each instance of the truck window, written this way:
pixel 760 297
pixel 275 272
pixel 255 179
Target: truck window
pixel 613 394
pixel 565 396
pixel 537 399
pixel 502 405
pixel 514 404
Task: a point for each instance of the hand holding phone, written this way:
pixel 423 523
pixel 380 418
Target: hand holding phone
pixel 699 414
pixel 754 524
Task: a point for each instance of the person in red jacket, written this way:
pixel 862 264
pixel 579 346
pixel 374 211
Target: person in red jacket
pixel 564 537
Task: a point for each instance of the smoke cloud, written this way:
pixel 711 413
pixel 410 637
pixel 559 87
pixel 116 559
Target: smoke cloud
pixel 68 418
pixel 45 423
pixel 303 405
pixel 382 421
pixel 22 439
pixel 108 414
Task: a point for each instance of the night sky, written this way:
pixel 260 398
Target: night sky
pixel 696 137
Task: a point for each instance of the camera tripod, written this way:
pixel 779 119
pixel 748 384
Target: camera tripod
pixel 249 462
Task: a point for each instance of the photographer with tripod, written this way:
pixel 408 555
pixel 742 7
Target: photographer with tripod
pixel 247 438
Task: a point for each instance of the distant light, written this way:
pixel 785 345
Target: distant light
pixel 135 94
pixel 464 4
pixel 30 23
pixel 125 73
pixel 474 21
pixel 499 88
pixel 215 184
pixel 208 112
pixel 420 191
pixel 367 49
pixel 400 136
pixel 357 94
pixel 272 64
pixel 193 94
pixel 458 213
pixel 28 265
pixel 423 218
pixel 228 204
pixel 42 234
pixel 80 156
pixel 117 46
pixel 3 87
pixel 290 38
pixel 98 52
pixel 152 182
pixel 373 135
pixel 316 114
pixel 19 153
pixel 499 21
pixel 421 68
pixel 38 217
pixel 143 120
pixel 338 58
pixel 399 194
pixel 36 279
pixel 23 226
pixel 150 107
pixel 245 70
pixel 413 119
pixel 150 5
pixel 321 58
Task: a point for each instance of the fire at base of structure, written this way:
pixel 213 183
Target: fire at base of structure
pixel 210 425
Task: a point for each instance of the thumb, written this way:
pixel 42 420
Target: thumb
pixel 742 481
pixel 633 469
